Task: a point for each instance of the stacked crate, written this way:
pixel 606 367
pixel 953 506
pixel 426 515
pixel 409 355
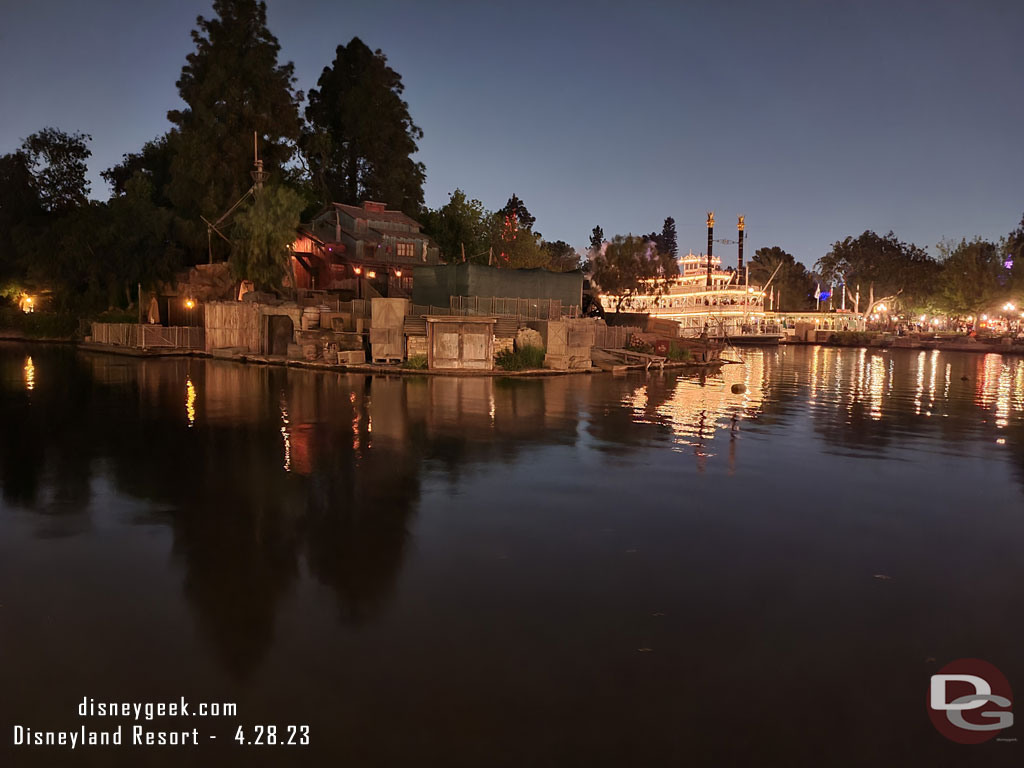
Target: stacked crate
pixel 567 342
pixel 387 320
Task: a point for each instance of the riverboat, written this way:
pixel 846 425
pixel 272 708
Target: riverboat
pixel 716 302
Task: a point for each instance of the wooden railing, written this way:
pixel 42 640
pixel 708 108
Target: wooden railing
pixel 139 336
pixel 525 309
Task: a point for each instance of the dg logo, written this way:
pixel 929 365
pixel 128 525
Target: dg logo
pixel 969 701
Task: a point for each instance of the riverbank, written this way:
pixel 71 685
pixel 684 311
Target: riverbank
pixel 998 346
pixel 13 334
pixel 369 368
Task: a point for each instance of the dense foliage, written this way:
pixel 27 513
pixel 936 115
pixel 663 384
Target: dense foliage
pixel 361 138
pixel 627 266
pixel 791 282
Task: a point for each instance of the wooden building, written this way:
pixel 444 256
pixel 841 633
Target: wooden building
pixel 460 343
pixel 345 245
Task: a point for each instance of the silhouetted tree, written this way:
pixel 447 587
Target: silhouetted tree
pixel 887 268
pixel 562 257
pixel 969 282
pixel 56 161
pixel 792 282
pixel 665 241
pixel 232 86
pixel 361 138
pixel 629 266
pixel 153 161
pixel 19 204
pixel 460 224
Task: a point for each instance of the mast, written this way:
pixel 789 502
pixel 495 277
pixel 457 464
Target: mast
pixel 739 265
pixel 711 237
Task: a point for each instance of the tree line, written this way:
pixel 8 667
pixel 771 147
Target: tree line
pixel 350 139
pixel 862 273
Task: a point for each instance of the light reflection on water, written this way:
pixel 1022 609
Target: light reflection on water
pixel 30 373
pixel 848 387
pixel 380 556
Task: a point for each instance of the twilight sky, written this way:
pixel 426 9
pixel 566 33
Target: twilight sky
pixel 815 119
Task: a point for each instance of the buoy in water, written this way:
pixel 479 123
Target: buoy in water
pixel 739 389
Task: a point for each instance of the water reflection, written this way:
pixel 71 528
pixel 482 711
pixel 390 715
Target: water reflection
pixel 273 468
pixel 190 402
pixel 696 408
pixel 376 546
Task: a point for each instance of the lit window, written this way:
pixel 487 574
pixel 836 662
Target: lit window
pixel 406 249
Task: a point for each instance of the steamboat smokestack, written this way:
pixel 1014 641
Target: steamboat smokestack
pixel 739 265
pixel 711 236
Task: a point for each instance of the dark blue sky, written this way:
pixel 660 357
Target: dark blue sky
pixel 816 120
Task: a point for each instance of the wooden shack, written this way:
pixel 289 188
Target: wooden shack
pixel 460 343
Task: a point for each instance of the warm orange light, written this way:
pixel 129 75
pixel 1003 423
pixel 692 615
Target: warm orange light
pixel 371 274
pixel 398 273
pixel 189 304
pixel 357 270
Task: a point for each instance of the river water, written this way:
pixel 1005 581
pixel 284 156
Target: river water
pixel 577 570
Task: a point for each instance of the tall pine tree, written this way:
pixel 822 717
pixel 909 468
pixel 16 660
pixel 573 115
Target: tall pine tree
pixel 232 85
pixel 362 138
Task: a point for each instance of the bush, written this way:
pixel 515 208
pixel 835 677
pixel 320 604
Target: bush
pixel 416 362
pixel 638 346
pixel 677 354
pixel 118 316
pixel 850 338
pixel 522 359
pixel 39 325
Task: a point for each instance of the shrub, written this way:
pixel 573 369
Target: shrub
pixel 677 354
pixel 39 325
pixel 416 362
pixel 524 358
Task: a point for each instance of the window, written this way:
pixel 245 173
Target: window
pixel 405 249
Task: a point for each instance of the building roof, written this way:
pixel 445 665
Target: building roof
pixel 382 233
pixel 377 212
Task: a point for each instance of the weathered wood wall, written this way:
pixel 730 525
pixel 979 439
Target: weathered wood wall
pixel 233 324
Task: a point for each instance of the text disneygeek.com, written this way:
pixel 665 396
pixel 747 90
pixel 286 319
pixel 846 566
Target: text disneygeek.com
pixel 144 735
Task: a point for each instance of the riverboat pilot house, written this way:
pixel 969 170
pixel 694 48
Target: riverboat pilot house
pixel 346 246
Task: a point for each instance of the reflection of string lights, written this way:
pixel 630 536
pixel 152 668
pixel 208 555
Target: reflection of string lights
pixel 30 374
pixel 919 392
pixel 190 402
pixel 876 386
pixel 285 436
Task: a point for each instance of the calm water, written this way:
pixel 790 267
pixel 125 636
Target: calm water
pixel 640 571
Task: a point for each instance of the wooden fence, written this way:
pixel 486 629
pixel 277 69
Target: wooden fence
pixel 148 336
pixel 613 336
pixel 524 309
